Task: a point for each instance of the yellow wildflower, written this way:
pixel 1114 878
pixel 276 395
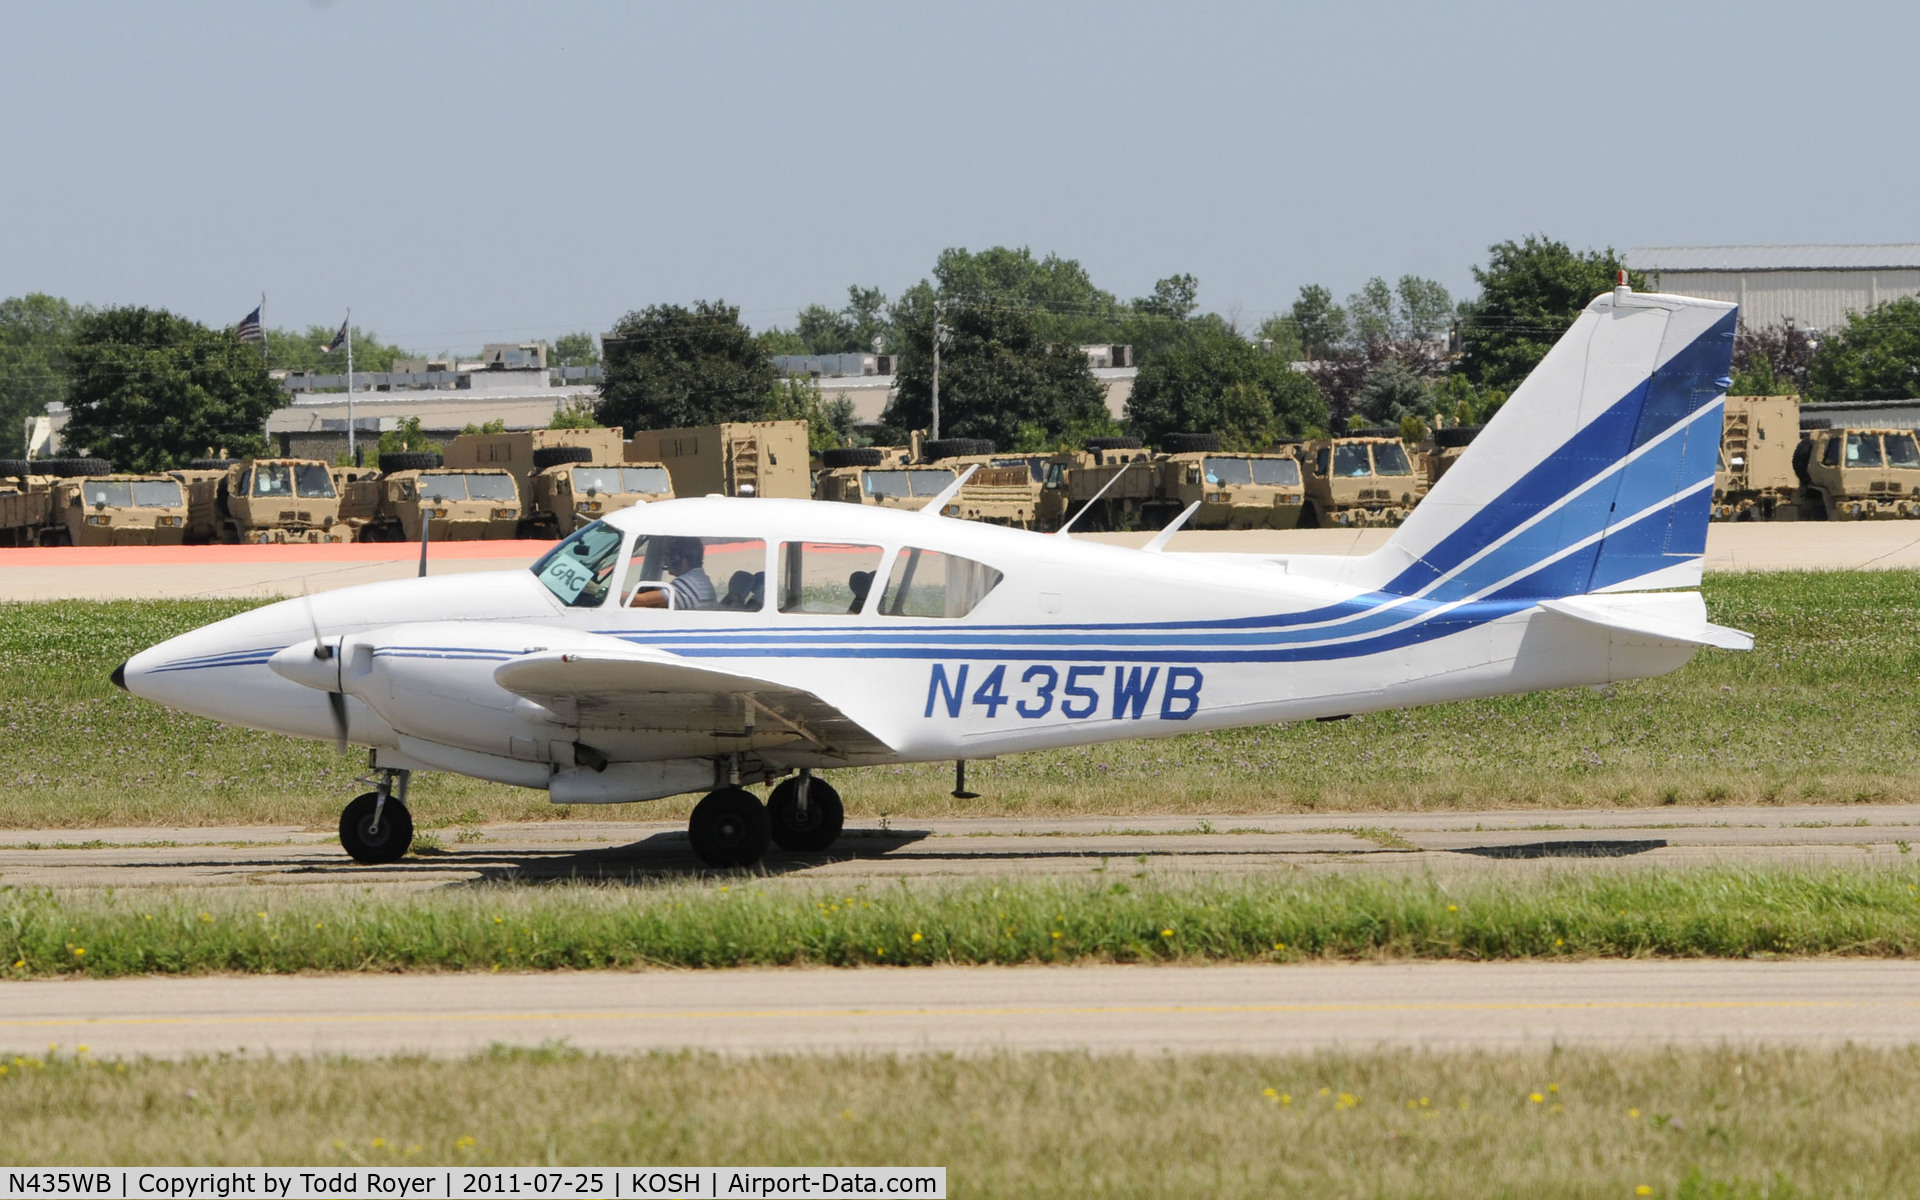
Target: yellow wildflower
pixel 916 937
pixel 1536 1097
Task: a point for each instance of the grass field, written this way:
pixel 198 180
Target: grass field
pixel 1822 710
pixel 1700 1124
pixel 1702 912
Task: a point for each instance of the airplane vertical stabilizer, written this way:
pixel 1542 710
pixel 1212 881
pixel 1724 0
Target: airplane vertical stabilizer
pixel 1595 476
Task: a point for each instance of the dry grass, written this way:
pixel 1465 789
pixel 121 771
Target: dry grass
pixel 1720 1123
pixel 1821 711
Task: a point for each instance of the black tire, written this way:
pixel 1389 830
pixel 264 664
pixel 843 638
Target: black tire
pixel 940 448
pixel 387 844
pixel 1456 435
pixel 1190 443
pixel 11 468
pixel 1379 431
pixel 1802 454
pixel 72 468
pixel 408 460
pixel 211 464
pixel 852 456
pixel 819 829
pixel 553 456
pixel 729 828
pixel 1816 422
pixel 1113 443
pixel 1309 517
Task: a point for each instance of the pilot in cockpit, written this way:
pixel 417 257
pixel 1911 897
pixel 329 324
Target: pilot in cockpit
pixel 684 559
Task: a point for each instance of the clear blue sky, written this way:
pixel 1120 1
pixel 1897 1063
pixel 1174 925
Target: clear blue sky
pixel 469 172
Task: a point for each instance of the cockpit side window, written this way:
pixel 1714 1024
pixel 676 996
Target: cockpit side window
pixel 826 577
pixel 696 573
pixel 579 569
pixel 927 583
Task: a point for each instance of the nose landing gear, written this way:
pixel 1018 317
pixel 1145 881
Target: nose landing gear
pixel 376 827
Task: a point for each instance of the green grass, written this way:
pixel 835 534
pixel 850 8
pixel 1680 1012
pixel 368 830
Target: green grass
pixel 1821 711
pixel 1707 1125
pixel 1703 912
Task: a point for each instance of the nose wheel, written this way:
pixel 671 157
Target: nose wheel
pixel 376 827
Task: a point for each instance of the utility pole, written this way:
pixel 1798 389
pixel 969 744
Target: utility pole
pixel 936 369
pixel 350 447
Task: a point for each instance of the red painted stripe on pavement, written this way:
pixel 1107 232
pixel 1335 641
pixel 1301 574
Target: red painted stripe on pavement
pixel 297 552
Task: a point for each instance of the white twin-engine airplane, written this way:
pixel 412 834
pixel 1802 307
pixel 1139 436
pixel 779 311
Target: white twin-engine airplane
pixel 701 645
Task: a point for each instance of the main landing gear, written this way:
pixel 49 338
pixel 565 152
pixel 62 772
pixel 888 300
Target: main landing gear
pixel 731 828
pixel 376 827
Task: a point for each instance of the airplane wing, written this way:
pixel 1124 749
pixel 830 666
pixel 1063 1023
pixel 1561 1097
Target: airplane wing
pixel 647 689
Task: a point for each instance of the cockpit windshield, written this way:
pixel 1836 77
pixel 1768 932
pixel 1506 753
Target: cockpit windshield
pixel 580 569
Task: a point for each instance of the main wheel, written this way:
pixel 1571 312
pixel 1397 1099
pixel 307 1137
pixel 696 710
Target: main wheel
pixel 729 828
pixel 818 828
pixel 365 843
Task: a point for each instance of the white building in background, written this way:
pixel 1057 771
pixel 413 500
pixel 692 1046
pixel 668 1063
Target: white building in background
pixel 1815 287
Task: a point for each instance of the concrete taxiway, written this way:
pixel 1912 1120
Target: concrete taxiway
pixel 1431 842
pixel 1104 1009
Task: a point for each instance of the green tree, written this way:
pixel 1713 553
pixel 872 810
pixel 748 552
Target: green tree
pixel 288 350
pixel 669 367
pixel 1392 392
pixel 1285 336
pixel 1322 325
pixel 497 425
pixel 1215 381
pixel 848 330
pixel 150 390
pixel 34 332
pixel 574 350
pixel 407 435
pixel 1530 293
pixel 997 374
pixel 575 415
pixel 1874 356
pixel 829 422
pixel 1059 295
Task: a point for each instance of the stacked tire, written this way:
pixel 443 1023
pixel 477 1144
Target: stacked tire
pixel 1190 443
pixel 852 456
pixel 59 468
pixel 940 448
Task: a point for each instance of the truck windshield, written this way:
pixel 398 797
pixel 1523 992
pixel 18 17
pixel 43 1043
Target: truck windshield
pixel 312 481
pixel 601 481
pixel 156 493
pixel 1228 470
pixel 465 487
pixel 925 481
pixel 1901 451
pixel 651 481
pixel 1350 461
pixel 1276 472
pixel 273 479
pixel 579 569
pixel 112 493
pixel 612 481
pixel 1863 450
pixel 1390 458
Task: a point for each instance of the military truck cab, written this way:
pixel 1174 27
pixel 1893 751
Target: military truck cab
pixel 885 476
pixel 1858 474
pixel 81 502
pixel 262 500
pixel 456 505
pixel 573 490
pixel 1363 479
pixel 1073 478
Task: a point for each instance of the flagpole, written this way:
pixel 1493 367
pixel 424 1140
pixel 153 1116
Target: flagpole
pixel 350 447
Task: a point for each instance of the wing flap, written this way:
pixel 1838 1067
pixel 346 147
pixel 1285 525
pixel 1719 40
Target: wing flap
pixel 651 690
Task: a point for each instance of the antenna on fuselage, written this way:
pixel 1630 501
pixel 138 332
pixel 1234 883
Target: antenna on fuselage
pixel 1062 531
pixel 1161 539
pixel 938 503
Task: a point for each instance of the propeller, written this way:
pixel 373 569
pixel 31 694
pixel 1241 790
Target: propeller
pixel 336 700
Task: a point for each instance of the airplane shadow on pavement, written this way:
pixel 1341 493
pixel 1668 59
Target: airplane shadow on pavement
pixel 664 855
pixel 1600 848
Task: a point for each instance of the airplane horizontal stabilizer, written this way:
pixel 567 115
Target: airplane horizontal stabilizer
pixel 1664 617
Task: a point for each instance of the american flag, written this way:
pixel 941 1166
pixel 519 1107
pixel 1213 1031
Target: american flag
pixel 339 340
pixel 248 330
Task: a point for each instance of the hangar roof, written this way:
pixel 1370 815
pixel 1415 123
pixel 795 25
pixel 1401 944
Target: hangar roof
pixel 1843 257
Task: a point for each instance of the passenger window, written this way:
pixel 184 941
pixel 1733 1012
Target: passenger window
pixel 697 573
pixel 1830 457
pixel 927 583
pixel 826 577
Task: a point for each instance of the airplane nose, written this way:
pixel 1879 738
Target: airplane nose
pixel 119 677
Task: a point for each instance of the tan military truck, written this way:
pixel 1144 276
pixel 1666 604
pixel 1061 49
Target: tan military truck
pixel 1236 490
pixel 1755 480
pixel 1073 478
pixel 1364 478
pixel 1444 449
pixel 886 476
pixel 566 477
pixel 456 504
pixel 741 458
pixel 262 500
pixel 1858 474
pixel 80 502
pixel 1005 489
